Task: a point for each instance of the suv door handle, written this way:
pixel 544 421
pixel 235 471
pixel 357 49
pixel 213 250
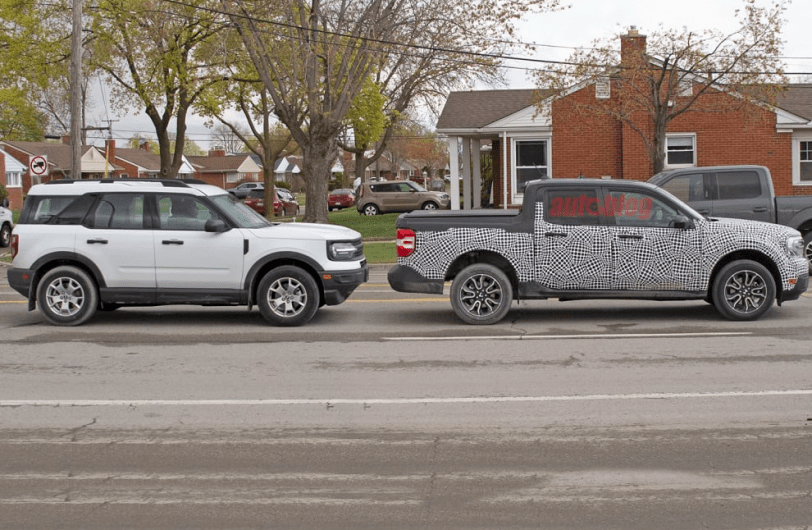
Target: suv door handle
pixel 94 241
pixel 760 209
pixel 172 242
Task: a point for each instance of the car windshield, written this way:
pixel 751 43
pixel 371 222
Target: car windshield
pixel 239 213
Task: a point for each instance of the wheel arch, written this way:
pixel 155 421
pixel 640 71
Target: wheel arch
pixel 483 256
pixel 261 268
pixel 58 259
pixel 753 255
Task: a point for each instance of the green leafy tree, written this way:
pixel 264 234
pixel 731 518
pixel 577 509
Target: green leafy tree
pixel 157 55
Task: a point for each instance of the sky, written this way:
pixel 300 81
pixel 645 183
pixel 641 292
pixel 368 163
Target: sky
pixel 559 33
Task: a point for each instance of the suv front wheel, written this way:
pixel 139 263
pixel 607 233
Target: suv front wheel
pixel 67 296
pixel 288 296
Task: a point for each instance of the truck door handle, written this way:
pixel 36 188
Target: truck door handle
pixel 630 236
pixel 760 209
pixel 703 212
pixel 172 242
pixel 94 241
pixel 555 234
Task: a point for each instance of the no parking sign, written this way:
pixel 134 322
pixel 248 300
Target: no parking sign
pixel 38 165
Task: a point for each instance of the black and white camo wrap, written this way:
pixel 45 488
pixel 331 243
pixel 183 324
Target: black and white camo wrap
pixel 598 257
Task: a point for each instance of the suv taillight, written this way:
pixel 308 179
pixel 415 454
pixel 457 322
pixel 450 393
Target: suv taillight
pixel 15 245
pixel 405 244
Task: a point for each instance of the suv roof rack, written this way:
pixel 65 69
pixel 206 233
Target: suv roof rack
pixel 169 183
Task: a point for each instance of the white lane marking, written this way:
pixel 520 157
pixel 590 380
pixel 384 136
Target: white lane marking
pixel 583 336
pixel 388 401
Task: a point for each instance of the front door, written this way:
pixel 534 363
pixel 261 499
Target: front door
pixel 188 257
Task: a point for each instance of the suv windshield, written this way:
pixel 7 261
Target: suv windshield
pixel 238 212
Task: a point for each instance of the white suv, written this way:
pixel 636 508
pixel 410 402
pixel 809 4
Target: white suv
pixel 6 224
pixel 80 246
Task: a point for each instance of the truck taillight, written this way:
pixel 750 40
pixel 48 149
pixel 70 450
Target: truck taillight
pixel 15 245
pixel 405 244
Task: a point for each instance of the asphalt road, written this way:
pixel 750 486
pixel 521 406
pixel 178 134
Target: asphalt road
pixel 386 412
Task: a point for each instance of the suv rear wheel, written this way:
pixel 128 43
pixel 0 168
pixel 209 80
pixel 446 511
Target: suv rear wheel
pixel 371 209
pixel 67 296
pixel 288 296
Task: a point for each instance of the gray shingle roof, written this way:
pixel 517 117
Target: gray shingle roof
pixel 478 108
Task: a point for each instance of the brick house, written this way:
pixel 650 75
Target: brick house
pixel 225 171
pixel 11 177
pixel 527 143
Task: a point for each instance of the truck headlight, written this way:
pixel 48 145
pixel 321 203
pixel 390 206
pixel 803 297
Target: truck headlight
pixel 795 246
pixel 345 250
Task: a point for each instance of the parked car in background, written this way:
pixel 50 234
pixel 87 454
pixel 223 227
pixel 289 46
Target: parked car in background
pixel 241 191
pixel 739 192
pixel 340 198
pixel 284 203
pixel 6 224
pixel 398 196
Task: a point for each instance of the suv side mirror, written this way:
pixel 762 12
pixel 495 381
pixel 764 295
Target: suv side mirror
pixel 216 225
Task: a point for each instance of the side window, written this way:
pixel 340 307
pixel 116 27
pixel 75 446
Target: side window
pixel 405 187
pixel 688 187
pixel 738 185
pixel 40 210
pixel 572 207
pixel 184 212
pixel 120 211
pixel 639 209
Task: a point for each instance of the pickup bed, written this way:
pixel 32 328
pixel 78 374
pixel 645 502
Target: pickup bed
pixel 741 192
pixel 587 239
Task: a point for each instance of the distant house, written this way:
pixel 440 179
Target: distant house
pixel 11 175
pixel 527 143
pixel 141 163
pixel 225 171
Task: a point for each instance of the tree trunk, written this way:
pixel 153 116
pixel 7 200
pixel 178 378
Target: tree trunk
pixel 318 158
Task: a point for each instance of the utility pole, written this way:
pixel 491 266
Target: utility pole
pixel 76 92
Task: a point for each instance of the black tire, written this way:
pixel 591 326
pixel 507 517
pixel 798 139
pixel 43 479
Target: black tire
pixel 5 236
pixel 67 296
pixel 481 294
pixel 370 209
pixel 288 296
pixel 744 290
pixel 430 205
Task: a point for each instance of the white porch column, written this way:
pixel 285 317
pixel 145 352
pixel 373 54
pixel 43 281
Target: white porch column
pixel 476 161
pixel 466 173
pixel 454 166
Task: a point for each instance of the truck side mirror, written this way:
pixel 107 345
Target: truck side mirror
pixel 682 222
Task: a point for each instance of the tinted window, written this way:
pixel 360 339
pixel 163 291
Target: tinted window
pixel 39 209
pixel 382 188
pixel 738 185
pixel 572 207
pixel 118 211
pixel 688 187
pixel 639 209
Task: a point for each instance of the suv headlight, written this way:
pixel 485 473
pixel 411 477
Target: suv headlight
pixel 345 250
pixel 795 246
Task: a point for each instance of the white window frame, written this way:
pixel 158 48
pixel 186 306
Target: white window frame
pixel 692 136
pixel 796 158
pixel 14 179
pixel 517 197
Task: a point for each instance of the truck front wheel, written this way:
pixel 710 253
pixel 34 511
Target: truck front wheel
pixel 743 290
pixel 481 294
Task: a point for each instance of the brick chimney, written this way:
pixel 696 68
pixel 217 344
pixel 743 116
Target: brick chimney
pixel 110 150
pixel 217 151
pixel 66 139
pixel 632 47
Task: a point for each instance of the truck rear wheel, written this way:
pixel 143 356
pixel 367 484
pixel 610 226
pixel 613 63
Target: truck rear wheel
pixel 744 290
pixel 481 294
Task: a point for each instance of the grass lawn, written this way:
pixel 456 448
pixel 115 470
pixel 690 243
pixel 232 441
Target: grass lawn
pixel 378 232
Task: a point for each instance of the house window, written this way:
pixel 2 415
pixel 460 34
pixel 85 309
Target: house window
pixel 680 150
pixel 806 162
pixel 531 162
pixel 13 179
